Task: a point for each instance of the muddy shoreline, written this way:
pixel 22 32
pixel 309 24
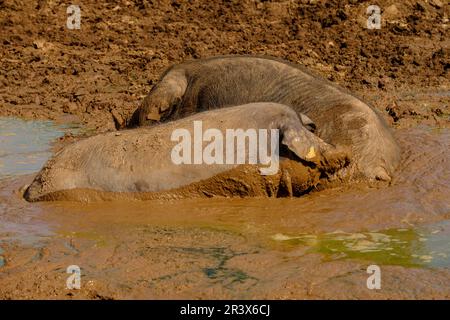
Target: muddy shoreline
pixel 100 74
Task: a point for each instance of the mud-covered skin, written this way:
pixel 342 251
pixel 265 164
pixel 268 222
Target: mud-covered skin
pixel 137 163
pixel 341 118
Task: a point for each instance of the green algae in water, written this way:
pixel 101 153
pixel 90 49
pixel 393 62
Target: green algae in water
pixel 25 145
pixel 99 240
pixel 422 247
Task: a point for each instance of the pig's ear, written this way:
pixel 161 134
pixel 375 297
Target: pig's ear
pixel 300 141
pixel 309 147
pixel 308 123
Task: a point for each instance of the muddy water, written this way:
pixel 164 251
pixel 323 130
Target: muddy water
pixel 317 246
pixel 24 148
pixel 24 145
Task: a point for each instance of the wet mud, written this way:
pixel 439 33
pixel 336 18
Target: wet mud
pixel 316 246
pixel 312 247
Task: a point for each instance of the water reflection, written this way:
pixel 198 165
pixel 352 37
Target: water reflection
pixel 25 145
pixel 420 247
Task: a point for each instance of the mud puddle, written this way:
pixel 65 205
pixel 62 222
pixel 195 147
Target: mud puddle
pixel 26 145
pixel 317 246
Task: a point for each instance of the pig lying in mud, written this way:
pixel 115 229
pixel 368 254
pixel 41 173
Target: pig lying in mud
pixel 147 163
pixel 342 120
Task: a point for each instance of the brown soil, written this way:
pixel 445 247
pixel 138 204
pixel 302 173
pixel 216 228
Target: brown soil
pixel 220 248
pixel 101 73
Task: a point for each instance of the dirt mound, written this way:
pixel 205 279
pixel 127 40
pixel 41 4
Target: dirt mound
pixel 100 73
